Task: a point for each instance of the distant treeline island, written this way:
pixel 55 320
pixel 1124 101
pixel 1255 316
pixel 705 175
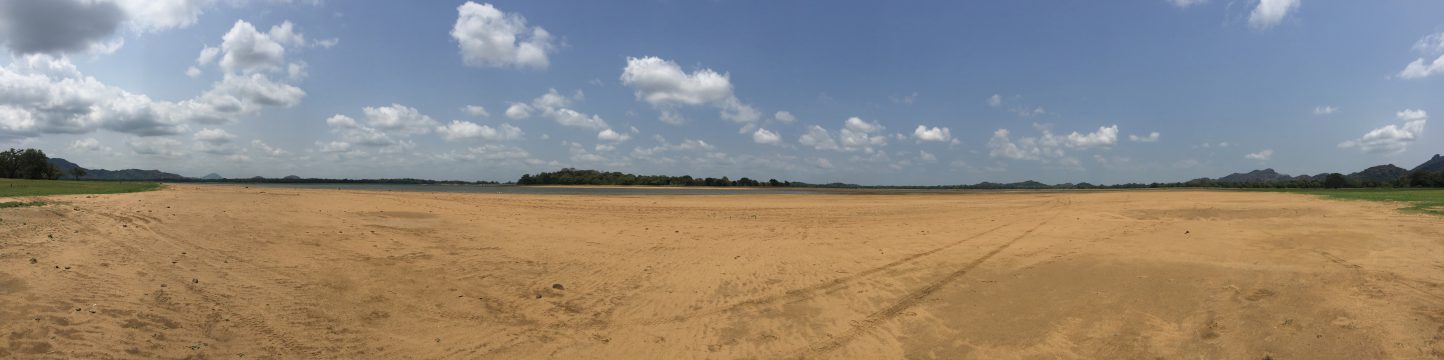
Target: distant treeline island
pixel 34 164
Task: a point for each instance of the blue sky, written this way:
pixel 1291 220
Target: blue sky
pixel 862 92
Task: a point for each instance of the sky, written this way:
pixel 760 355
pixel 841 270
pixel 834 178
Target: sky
pixel 890 93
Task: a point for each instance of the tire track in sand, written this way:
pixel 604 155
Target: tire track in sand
pixel 912 299
pixel 813 291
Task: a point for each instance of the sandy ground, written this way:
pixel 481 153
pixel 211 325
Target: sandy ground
pixel 231 272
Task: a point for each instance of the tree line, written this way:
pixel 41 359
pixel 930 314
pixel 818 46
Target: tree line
pixel 571 176
pixel 31 164
pixel 1414 179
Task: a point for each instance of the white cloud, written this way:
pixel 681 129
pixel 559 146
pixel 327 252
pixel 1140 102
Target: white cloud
pixel 246 50
pixel 88 145
pixel 1271 12
pixel 995 100
pixel 1264 155
pixel 1105 136
pixel 858 134
pixel 458 130
pixel 612 136
pixel 46 95
pixel 1152 137
pixel 1418 69
pixel 398 119
pixel 296 70
pixel 157 15
pixel 818 138
pixel 213 136
pixel 476 110
pixel 1183 4
pixel 267 149
pixel 925 156
pixel 553 105
pixel 784 117
pixel 1325 110
pixel 214 141
pixel 489 37
pixel 1391 139
pixel 763 136
pixel 1049 147
pixel 237 95
pixel 1430 44
pixel 193 72
pixel 518 111
pixel 663 84
pixel 327 43
pixel 923 133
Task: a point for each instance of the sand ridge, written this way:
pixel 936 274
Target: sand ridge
pixel 222 271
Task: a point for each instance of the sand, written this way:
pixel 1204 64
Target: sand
pixel 234 272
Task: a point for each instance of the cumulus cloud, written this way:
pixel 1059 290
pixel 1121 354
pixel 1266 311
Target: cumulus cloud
pixel 1271 12
pixel 1183 4
pixel 214 141
pixel 818 138
pixel 664 85
pixel 88 145
pixel 213 136
pixel 995 100
pixel 1049 147
pixel 459 130
pixel 247 50
pixel 1151 137
pixel 267 149
pixel 784 117
pixel 1431 44
pixel 925 156
pixel 398 119
pixel 57 26
pixel 1391 139
pixel 764 136
pixel 386 129
pixel 555 106
pixel 1264 155
pixel 1420 69
pixel 46 95
pixel 612 136
pixel 490 37
pixel 856 135
pixel 518 111
pixel 933 134
pixel 475 110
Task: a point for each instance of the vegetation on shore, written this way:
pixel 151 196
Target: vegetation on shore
pixel 30 164
pixel 12 188
pixel 1429 201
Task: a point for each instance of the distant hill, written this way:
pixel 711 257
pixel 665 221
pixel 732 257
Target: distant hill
pixel 1379 174
pixel 212 176
pixel 127 174
pixel 1434 164
pixel 1256 176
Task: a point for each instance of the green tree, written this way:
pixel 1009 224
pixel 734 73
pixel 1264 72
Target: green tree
pixel 1335 181
pixel 77 172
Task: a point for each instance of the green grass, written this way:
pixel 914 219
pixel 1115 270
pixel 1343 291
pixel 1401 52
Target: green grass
pixel 1429 201
pixel 16 204
pixel 11 187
